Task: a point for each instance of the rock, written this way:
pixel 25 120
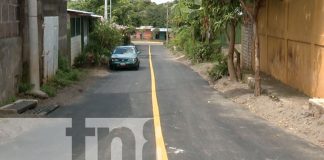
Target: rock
pixel 321 136
pixel 251 82
pixel 317 106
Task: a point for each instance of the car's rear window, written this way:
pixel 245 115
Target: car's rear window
pixel 123 50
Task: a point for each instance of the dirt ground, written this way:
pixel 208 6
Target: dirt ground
pixel 279 104
pixel 72 93
pixel 68 94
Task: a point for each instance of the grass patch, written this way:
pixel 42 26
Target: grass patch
pixel 64 76
pixel 24 87
pixel 7 101
pixel 49 89
pixel 60 80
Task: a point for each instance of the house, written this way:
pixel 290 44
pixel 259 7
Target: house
pixel 151 33
pixel 81 24
pixel 291 43
pixel 160 33
pixel 32 34
pixel 144 33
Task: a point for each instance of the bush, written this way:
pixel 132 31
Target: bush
pixel 182 38
pixel 102 41
pixel 201 52
pixel 219 69
pixel 80 60
pixel 195 50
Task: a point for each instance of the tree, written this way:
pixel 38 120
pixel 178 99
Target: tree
pixel 225 14
pixel 94 6
pixel 253 16
pixel 127 12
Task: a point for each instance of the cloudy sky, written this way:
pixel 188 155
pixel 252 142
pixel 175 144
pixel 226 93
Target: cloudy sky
pixel 160 1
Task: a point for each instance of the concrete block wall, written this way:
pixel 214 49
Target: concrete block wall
pixel 10 48
pixel 9 18
pixel 10 66
pixel 63 31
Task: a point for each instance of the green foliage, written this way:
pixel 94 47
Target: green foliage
pixel 127 12
pixel 64 76
pixel 50 90
pixel 195 50
pixel 24 87
pixel 219 69
pixel 102 41
pixel 63 63
pixel 126 40
pixel 200 27
pixel 81 60
pixel 105 36
pixel 206 52
pixel 155 15
pixel 181 38
pixel 88 5
pixel 202 52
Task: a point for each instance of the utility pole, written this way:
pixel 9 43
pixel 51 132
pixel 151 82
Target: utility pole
pixel 106 10
pixel 167 25
pixel 33 39
pixel 110 12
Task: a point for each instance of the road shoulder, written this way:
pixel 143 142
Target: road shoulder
pixel 280 105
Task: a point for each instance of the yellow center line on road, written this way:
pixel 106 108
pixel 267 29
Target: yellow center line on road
pixel 161 153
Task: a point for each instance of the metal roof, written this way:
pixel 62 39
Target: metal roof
pixel 84 13
pixel 162 29
pixel 80 12
pixel 145 27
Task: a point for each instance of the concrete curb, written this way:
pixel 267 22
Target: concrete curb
pixel 19 106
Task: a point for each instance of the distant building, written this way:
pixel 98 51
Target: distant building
pixel 151 33
pixel 160 33
pixel 144 33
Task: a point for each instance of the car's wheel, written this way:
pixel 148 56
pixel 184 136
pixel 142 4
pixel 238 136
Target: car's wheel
pixel 111 67
pixel 137 67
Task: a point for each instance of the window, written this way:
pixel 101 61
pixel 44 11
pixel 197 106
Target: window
pixel 72 22
pixel 75 27
pixel 78 26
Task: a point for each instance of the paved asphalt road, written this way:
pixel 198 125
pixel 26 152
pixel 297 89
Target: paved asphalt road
pixel 197 123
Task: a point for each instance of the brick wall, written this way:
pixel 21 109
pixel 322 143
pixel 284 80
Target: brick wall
pixel 247 45
pixel 9 15
pixel 148 34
